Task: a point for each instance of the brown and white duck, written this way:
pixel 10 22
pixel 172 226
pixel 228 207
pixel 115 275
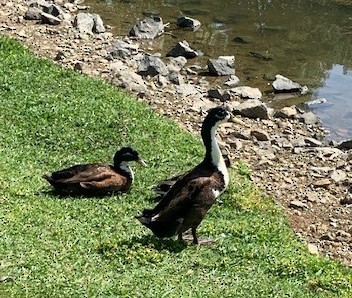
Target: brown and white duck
pixel 184 206
pixel 96 178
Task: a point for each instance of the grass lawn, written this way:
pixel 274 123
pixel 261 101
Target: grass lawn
pixel 88 247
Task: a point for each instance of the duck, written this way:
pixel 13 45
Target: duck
pixel 164 186
pixel 96 178
pixel 185 204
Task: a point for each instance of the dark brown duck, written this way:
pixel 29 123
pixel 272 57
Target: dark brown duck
pixel 96 178
pixel 184 206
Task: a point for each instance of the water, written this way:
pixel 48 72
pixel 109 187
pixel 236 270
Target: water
pixel 308 41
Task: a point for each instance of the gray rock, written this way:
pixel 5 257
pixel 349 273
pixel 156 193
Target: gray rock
pixel 50 19
pixel 347 200
pixel 246 92
pixel 98 24
pixel 219 94
pixel 148 28
pixel 222 66
pixel 122 49
pixel 186 22
pixel 313 142
pixel 232 81
pixel 309 118
pixel 296 204
pixel 260 134
pixel 176 63
pixel 286 112
pixel 252 108
pixel 53 9
pixel 183 49
pixel 131 81
pixel 152 66
pixel 175 78
pixel 283 84
pixel 338 176
pixel 33 13
pixel 84 23
pixel 345 145
pixel 186 89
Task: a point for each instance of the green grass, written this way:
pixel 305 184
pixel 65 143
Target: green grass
pixel 68 247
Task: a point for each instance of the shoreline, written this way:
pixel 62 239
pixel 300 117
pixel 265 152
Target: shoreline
pixel 288 158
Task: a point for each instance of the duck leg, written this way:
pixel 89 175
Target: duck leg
pixel 194 234
pixel 179 237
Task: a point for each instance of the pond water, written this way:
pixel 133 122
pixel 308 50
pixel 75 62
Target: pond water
pixel 308 41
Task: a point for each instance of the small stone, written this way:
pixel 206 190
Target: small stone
pixel 149 28
pixel 313 142
pixel 260 134
pixel 309 118
pixel 182 49
pixel 186 22
pixel 296 204
pixel 338 176
pixel 347 200
pixel 286 112
pixel 322 183
pixel 313 249
pixel 283 84
pixel 246 92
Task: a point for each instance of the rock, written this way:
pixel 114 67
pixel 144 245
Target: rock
pixel 347 200
pixel 283 84
pixel 84 23
pixel 243 135
pixel 148 28
pixel 175 78
pixel 286 112
pixel 345 145
pixel 186 22
pixel 131 81
pixel 50 19
pixel 338 176
pixel 186 89
pixel 260 134
pixel 241 40
pixel 183 49
pixel 98 26
pixel 53 9
pixel 316 101
pixel 232 81
pixel 219 94
pixel 252 108
pixel 152 66
pixel 262 56
pixel 247 92
pixel 313 249
pixel 33 13
pixel 296 204
pixel 312 142
pixel 309 118
pixel 176 63
pixel 122 49
pixel 325 182
pixel 222 66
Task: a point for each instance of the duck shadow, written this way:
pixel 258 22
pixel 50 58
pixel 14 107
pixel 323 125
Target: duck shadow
pixel 62 195
pixel 171 245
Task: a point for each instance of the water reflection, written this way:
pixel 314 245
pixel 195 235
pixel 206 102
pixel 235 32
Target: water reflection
pixel 308 41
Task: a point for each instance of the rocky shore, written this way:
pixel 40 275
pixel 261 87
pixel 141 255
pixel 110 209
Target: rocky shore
pixel 285 149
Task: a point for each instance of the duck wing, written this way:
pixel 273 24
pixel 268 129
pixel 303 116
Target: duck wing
pixel 89 173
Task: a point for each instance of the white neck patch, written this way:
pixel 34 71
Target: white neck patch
pixel 217 158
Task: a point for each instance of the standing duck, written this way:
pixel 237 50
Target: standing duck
pixel 96 178
pixel 184 206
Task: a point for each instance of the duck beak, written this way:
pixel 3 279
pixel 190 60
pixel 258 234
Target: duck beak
pixel 142 162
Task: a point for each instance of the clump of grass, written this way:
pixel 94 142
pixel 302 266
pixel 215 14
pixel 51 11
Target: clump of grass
pixel 69 247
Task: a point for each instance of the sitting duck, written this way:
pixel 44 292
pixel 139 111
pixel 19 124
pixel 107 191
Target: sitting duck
pixel 187 201
pixel 96 178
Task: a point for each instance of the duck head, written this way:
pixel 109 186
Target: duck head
pixel 126 154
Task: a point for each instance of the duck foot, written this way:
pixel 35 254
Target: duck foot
pixel 193 237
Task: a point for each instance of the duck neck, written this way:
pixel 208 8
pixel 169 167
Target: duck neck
pixel 213 152
pixel 125 168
